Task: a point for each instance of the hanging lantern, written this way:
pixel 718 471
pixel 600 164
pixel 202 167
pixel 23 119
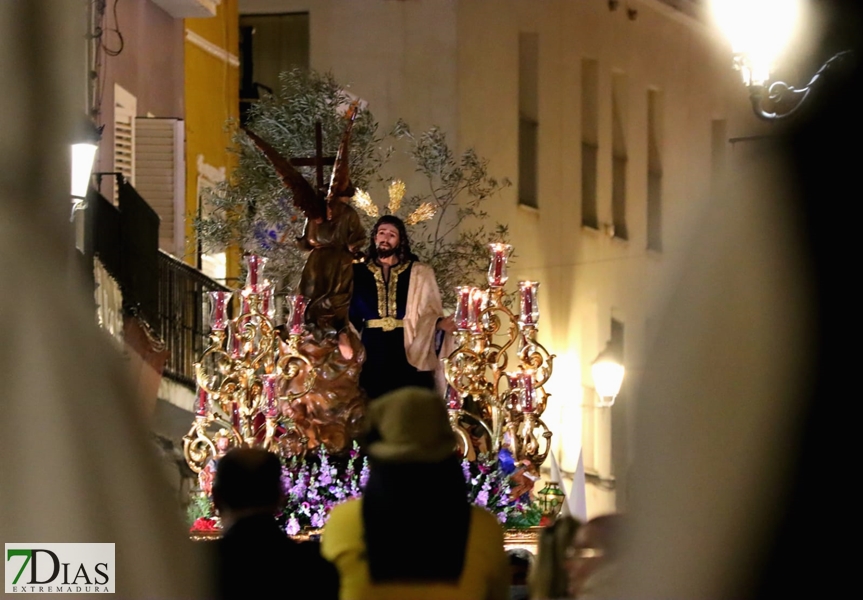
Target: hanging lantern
pixel 551 500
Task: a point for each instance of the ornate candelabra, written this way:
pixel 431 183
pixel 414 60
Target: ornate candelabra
pixel 508 401
pixel 249 375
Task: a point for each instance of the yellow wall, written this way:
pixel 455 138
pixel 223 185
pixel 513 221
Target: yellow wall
pixel 212 97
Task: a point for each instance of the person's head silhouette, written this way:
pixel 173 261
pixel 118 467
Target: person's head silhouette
pixel 248 482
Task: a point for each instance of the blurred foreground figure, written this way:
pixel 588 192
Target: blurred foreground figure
pixel 77 463
pixel 414 534
pixel 549 577
pixel 744 438
pixel 256 558
pixel 593 558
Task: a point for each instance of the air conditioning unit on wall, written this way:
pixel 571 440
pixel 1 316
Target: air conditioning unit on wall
pixel 185 9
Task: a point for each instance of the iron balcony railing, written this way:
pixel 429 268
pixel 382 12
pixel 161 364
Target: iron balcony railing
pixel 182 315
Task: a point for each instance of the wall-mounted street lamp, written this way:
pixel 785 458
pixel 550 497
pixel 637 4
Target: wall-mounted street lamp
pixel 83 154
pixel 607 370
pixel 759 30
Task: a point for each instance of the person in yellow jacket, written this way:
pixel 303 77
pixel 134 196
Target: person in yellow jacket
pixel 414 534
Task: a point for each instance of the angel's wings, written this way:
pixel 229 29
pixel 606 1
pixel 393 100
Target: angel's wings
pixel 305 197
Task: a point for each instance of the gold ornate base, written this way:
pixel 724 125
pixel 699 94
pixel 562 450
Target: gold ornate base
pixel 513 539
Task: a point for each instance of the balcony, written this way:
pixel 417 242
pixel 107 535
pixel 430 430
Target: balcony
pixel 181 317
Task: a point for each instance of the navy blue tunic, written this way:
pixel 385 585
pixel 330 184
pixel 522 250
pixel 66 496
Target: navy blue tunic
pixel 386 367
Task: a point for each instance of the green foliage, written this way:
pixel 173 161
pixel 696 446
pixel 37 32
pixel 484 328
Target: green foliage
pixel 530 517
pixel 458 185
pixel 201 506
pixel 255 211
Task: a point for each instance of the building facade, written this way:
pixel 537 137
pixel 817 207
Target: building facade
pixel 613 123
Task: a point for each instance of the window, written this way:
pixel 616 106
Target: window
pixel 654 170
pixel 269 45
pixel 589 141
pixel 718 137
pixel 619 157
pixel 528 118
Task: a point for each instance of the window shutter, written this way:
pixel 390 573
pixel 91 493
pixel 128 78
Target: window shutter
pixel 160 175
pixel 125 109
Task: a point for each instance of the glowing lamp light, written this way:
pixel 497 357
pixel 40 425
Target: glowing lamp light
pixel 607 370
pixel 84 149
pixel 759 30
pixel 83 156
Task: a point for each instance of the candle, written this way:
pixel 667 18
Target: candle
pixel 219 309
pixel 245 302
pixel 497 275
pixel 268 307
pixel 297 313
pixel 453 399
pixel 234 344
pixel 529 313
pixel 235 415
pixel 202 403
pixel 477 298
pixel 462 311
pixel 528 396
pixel 254 271
pixel 271 383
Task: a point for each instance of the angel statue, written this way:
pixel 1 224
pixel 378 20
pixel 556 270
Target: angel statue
pixel 331 412
pixel 333 234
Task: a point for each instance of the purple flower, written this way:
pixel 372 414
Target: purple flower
pixel 293 526
pixel 501 516
pixel 465 468
pixel 364 475
pixel 317 520
pixel 482 498
pixel 299 490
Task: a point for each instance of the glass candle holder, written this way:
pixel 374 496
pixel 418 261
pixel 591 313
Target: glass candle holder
pixel 499 255
pixel 265 303
pixel 514 380
pixel 254 271
pixel 296 314
pixel 529 308
pixel 528 393
pixel 219 309
pixel 234 345
pixel 270 393
pixel 202 403
pixel 268 304
pixel 477 302
pixel 246 301
pixel 453 399
pixel 462 307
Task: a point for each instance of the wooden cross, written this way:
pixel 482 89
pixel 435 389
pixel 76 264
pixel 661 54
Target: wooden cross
pixel 318 160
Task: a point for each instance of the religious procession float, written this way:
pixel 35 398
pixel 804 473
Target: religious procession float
pixel 281 370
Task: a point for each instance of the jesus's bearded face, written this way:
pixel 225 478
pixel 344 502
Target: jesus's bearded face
pixel 386 240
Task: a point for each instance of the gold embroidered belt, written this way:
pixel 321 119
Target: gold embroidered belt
pixel 387 323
